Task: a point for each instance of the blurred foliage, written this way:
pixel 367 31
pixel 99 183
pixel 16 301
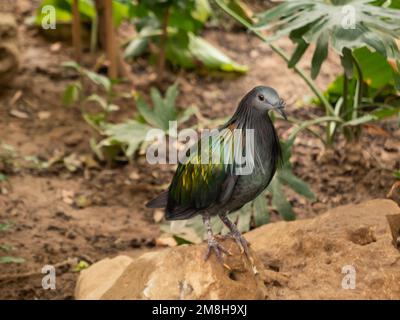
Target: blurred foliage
pixel 132 134
pixel 86 9
pixel 6 248
pixel 321 23
pixel 128 136
pixel 184 19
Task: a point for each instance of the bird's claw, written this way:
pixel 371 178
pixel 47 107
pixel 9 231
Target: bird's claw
pixel 242 243
pixel 213 245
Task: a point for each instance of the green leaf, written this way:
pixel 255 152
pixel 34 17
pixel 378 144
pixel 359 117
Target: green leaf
pixel 99 100
pixel 261 214
pixel 280 202
pixel 6 247
pixel 243 218
pixel 211 57
pixel 136 47
pixel 347 62
pixel 129 135
pixel 71 94
pixel 5 226
pixel 98 79
pixel 9 259
pixel 147 113
pixel 320 54
pixel 286 177
pixel 298 53
pixel 72 65
pixel 3 177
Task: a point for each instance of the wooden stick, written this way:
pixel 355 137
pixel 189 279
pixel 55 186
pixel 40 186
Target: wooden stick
pixel 110 40
pixel 76 30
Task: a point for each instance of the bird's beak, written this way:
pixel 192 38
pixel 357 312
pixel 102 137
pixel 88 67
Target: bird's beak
pixel 281 112
pixel 280 108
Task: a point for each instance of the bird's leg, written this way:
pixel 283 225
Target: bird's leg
pixel 212 241
pixel 235 234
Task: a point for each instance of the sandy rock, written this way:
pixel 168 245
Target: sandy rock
pixel 312 253
pixel 100 277
pixel 9 52
pixel 304 259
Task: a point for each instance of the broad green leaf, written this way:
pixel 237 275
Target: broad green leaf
pixel 71 94
pixel 260 210
pixel 288 178
pixel 211 57
pixel 298 53
pixel 347 62
pixel 99 100
pixel 99 79
pixel 280 202
pixel 244 217
pixel 320 54
pixel 129 135
pixel 147 113
pixel 136 47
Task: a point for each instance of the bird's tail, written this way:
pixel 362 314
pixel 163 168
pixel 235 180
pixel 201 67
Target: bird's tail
pixel 158 202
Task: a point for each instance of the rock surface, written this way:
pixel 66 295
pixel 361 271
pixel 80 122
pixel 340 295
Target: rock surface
pixel 9 52
pixel 346 253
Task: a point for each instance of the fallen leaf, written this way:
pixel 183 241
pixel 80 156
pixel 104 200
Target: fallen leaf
pixel 166 241
pixel 44 115
pixel 16 97
pixel 68 196
pixel 55 47
pixel 19 114
pixel 134 175
pixel 158 215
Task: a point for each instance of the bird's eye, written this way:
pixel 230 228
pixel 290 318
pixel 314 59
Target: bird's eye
pixel 261 97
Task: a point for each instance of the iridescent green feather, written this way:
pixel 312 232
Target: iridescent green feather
pixel 198 181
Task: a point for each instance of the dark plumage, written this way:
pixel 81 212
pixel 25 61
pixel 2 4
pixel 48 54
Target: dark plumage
pixel 201 187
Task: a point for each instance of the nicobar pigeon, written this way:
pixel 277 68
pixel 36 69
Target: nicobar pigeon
pixel 210 188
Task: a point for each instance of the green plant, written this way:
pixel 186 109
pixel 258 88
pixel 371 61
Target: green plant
pixel 320 22
pixel 130 135
pixel 63 10
pixel 6 248
pixel 173 25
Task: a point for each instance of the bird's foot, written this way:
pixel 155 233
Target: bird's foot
pixel 242 243
pixel 213 245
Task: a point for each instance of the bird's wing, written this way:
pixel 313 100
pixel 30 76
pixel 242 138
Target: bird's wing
pixel 205 178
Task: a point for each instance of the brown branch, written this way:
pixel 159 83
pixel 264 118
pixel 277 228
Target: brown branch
pixel 163 41
pixel 76 30
pixel 110 40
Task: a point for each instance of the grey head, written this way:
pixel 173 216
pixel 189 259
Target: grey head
pixel 264 99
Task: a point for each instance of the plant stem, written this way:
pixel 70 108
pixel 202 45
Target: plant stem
pixel 163 41
pixel 312 85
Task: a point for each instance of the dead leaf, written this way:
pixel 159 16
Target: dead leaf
pixel 19 114
pixel 158 215
pixel 68 196
pixel 16 97
pixel 134 175
pixel 44 115
pixel 72 162
pixel 55 47
pixel 166 241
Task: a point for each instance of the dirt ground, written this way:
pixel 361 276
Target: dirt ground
pixel 59 217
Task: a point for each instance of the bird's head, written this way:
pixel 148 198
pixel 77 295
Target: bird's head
pixel 265 99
